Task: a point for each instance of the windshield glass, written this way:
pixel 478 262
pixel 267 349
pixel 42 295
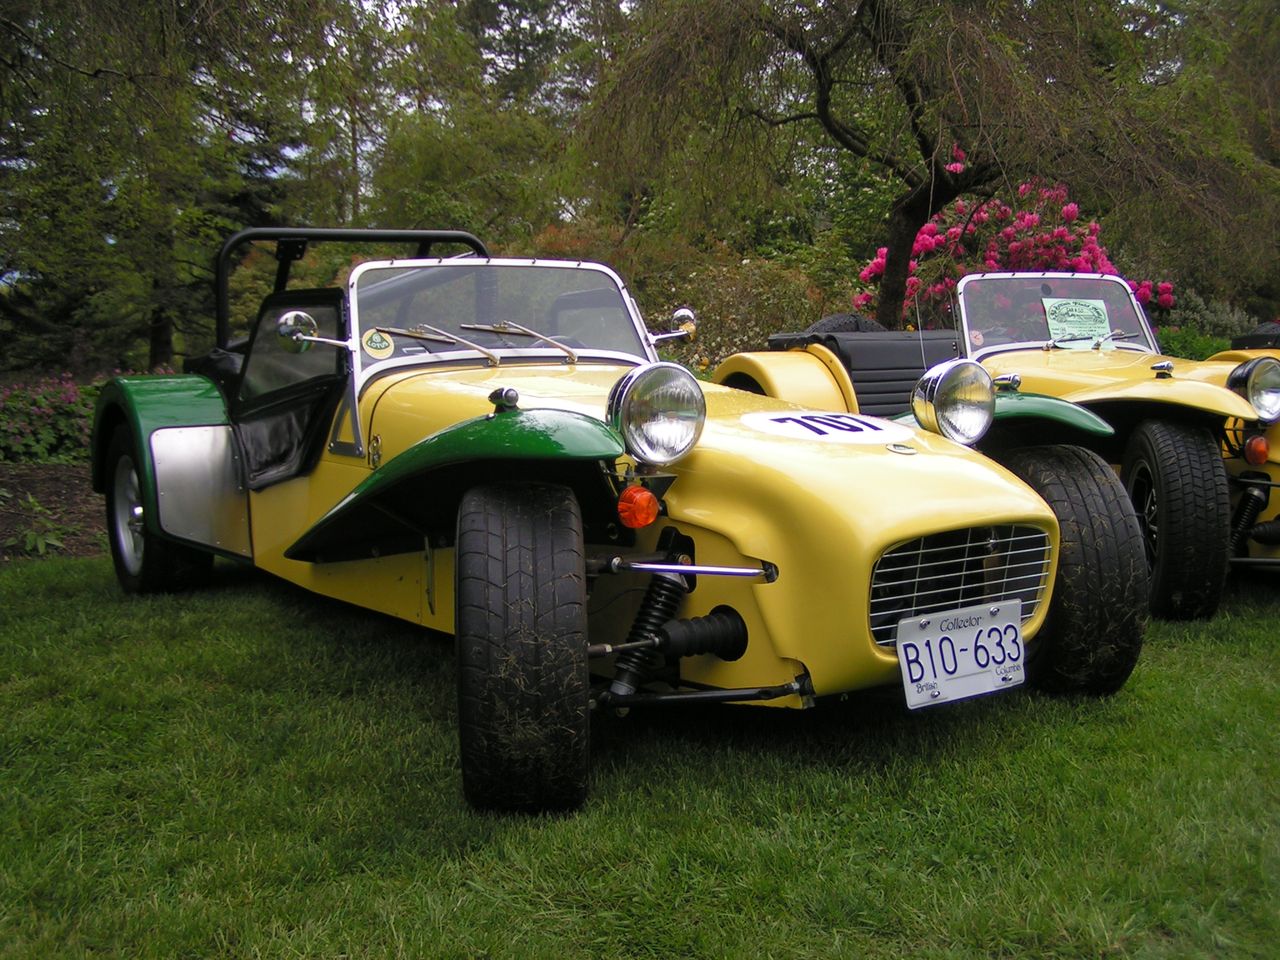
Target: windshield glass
pixel 405 310
pixel 1070 312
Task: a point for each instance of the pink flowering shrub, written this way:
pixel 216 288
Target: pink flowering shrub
pixel 47 419
pixel 1046 232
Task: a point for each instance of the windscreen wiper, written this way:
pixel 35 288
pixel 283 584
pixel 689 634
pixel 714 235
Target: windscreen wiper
pixel 423 331
pixel 1111 335
pixel 510 326
pixel 1062 338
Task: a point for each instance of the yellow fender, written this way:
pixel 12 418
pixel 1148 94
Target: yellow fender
pixel 813 377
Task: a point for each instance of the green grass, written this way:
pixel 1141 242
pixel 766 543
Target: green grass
pixel 248 771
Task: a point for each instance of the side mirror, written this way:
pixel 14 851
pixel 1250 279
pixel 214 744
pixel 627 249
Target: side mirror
pixel 296 330
pixel 684 325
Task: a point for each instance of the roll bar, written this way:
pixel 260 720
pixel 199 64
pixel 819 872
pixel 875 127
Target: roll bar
pixel 291 244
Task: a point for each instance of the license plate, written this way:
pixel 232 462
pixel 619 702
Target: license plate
pixel 963 653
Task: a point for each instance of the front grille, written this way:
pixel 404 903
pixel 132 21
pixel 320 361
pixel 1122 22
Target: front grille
pixel 959 568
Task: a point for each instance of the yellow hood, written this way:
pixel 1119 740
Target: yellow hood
pixel 1090 376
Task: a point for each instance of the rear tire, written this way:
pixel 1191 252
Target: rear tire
pixel 1177 481
pixel 1092 633
pixel 523 683
pixel 144 562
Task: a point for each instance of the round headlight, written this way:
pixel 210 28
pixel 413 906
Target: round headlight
pixel 1258 381
pixel 955 399
pixel 659 410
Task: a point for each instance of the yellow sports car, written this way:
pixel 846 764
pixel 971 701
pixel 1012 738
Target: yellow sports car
pixel 1082 338
pixel 491 448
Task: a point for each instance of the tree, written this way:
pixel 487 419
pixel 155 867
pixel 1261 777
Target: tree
pixel 947 99
pixel 130 140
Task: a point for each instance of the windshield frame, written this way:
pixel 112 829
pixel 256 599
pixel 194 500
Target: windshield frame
pixel 365 368
pixel 1146 345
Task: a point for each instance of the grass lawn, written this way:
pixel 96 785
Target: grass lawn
pixel 250 771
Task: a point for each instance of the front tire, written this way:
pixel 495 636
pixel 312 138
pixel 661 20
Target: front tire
pixel 1178 484
pixel 523 682
pixel 144 563
pixel 1092 633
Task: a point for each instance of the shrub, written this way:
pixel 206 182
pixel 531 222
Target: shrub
pixel 739 302
pixel 48 419
pixel 738 306
pixel 1216 319
pixel 1046 232
pixel 1190 343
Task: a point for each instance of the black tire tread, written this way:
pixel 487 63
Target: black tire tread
pixel 1193 554
pixel 1093 631
pixel 523 683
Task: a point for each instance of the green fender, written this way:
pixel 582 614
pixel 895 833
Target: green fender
pixel 1012 405
pixel 416 494
pixel 147 404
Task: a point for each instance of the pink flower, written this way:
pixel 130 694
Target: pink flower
pixel 1165 300
pixel 1143 293
pixel 954 168
pixel 862 301
pixel 1164 288
pixel 1070 212
pixel 1024 189
pixel 956 152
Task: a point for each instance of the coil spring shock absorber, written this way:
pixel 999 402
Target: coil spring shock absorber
pixel 1251 503
pixel 661 601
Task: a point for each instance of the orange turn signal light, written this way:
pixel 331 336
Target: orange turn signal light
pixel 1256 450
pixel 637 507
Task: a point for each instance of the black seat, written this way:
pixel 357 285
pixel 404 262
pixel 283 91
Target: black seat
pixel 884 365
pixel 1262 337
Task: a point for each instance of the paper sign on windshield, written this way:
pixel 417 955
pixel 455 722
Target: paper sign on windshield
pixel 1086 319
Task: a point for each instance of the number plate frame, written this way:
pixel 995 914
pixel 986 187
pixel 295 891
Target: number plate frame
pixel 942 654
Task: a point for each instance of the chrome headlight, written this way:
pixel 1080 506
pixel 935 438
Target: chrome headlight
pixel 659 410
pixel 1258 381
pixel 955 399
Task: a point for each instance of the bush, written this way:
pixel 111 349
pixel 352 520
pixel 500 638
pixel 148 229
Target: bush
pixel 1189 343
pixel 739 302
pixel 1215 319
pixel 1048 232
pixel 738 306
pixel 48 419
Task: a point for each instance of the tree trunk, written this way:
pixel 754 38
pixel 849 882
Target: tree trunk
pixel 909 213
pixel 160 339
